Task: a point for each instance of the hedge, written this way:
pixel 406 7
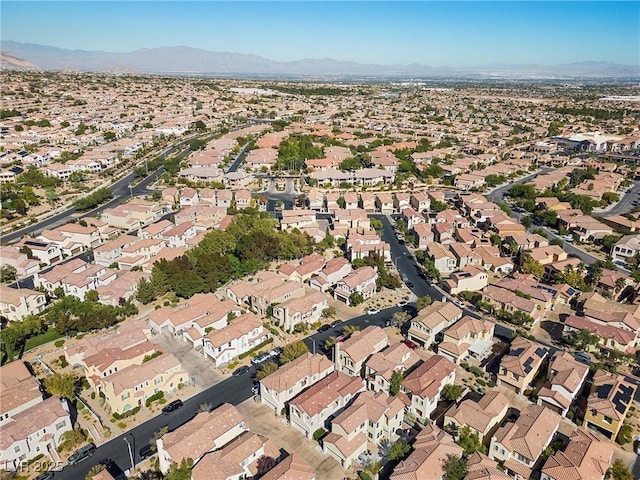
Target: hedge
pixel 128 413
pixel 154 397
pixel 255 349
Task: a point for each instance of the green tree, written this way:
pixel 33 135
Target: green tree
pixel 93 471
pixel 395 382
pixel 349 330
pixel 526 221
pixel 584 340
pixel 398 449
pixel 266 369
pixel 180 472
pixel 529 265
pixel 470 441
pixel 7 274
pixel 72 438
pixel 452 392
pixel 328 312
pixel 356 299
pixel 625 435
pixel 619 471
pixel 292 351
pixel 329 343
pixel 423 302
pixel 400 318
pixel 455 468
pixel 145 292
pixel 63 385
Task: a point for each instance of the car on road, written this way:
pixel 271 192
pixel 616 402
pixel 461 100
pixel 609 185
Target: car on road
pixel 410 344
pixel 459 304
pixel 175 405
pixel 409 284
pixel 373 311
pixel 255 389
pixel 147 451
pixel 261 357
pixel 324 328
pixel 335 323
pixel 240 371
pixel 82 454
pixel 402 303
pixel 45 476
pixel 583 357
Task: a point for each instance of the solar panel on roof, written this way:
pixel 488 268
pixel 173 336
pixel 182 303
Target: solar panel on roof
pixel 622 398
pixel 541 352
pixel 528 365
pixel 517 352
pixel 603 391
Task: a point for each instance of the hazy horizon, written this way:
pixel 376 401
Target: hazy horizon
pixel 452 34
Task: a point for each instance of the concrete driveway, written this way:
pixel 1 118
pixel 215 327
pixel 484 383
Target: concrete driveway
pixel 262 421
pixel 206 374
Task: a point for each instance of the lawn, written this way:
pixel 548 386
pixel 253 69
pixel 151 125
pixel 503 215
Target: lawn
pixel 46 337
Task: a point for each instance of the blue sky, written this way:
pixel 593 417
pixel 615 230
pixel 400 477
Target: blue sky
pixel 434 33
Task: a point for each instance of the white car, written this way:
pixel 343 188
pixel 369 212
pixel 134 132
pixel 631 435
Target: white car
pixel 373 311
pixel 459 304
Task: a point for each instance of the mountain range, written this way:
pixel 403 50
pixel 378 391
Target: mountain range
pixel 187 60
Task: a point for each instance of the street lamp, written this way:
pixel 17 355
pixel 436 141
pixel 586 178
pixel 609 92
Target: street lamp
pixel 130 453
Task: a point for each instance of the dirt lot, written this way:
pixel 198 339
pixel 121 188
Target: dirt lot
pixel 261 420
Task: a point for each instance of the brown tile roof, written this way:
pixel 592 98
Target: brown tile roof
pixel 479 415
pixel 610 394
pixel 291 468
pixel 525 355
pixel 18 386
pixel 305 366
pixel 363 343
pixel 426 380
pixel 320 395
pixel 31 420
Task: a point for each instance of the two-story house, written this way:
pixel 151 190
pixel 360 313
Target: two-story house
pixel 424 385
pixel 584 458
pixel 467 338
pixel 431 321
pixel 350 355
pixel 313 408
pixel 608 403
pixel 519 445
pixel 369 420
pixel 334 271
pixel 565 378
pixel 241 335
pixel 521 364
pixel 482 417
pixel 292 378
pixel 302 310
pixel 361 281
pixel 17 303
pixel 380 367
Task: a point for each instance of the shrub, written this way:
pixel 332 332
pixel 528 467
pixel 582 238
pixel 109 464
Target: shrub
pixel 63 361
pixel 319 434
pixel 481 381
pixel 253 351
pixel 476 371
pixel 128 413
pixel 153 398
pixel 364 475
pixel 122 425
pixel 59 343
pixel 491 384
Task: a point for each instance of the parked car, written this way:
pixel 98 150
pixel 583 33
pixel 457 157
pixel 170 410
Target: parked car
pixel 170 407
pixel 82 454
pixel 240 371
pixel 373 311
pixel 583 357
pixel 147 451
pixel 324 328
pixel 410 344
pixel 261 357
pixel 458 304
pixel 255 389
pixel 409 284
pixel 275 352
pixel 335 323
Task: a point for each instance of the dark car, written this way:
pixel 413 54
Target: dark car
pixel 82 454
pixel 335 323
pixel 175 405
pixel 147 451
pixel 44 476
pixel 409 285
pixel 324 328
pixel 240 371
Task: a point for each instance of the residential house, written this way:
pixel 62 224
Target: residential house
pixel 384 203
pixel 444 261
pixel 424 385
pixel 521 364
pixel 380 367
pixel 371 419
pixel 626 249
pixel 313 408
pixel 470 278
pixel 31 425
pixel 431 321
pixel 303 310
pixel 519 445
pixel 468 338
pixel 420 201
pixel 431 448
pixel 423 235
pixel 292 467
pixel 361 281
pixel 17 303
pixel 565 377
pixel 482 417
pixel 236 460
pixel 584 458
pixel 608 403
pixel 206 432
pixel 334 271
pixel 129 387
pixel 240 336
pixel 350 355
pixel 292 378
pixel 304 270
